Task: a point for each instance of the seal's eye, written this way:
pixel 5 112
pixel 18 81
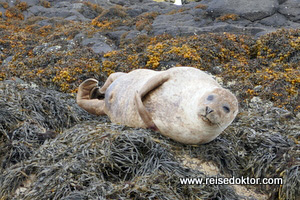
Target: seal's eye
pixel 210 98
pixel 226 109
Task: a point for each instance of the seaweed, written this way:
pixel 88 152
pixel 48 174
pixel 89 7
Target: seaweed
pixel 29 116
pixel 98 160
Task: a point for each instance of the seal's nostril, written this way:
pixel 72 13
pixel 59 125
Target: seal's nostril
pixel 208 110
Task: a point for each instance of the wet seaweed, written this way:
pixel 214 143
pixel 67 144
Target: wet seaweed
pixel 31 115
pixel 98 160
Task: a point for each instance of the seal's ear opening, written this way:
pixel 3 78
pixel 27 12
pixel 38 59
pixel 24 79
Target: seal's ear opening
pixel 85 97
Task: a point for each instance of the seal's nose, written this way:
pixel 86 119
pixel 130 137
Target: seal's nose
pixel 208 110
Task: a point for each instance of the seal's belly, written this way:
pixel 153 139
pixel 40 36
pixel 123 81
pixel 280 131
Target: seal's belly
pixel 119 98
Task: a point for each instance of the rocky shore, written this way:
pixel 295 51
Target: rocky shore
pixel 52 149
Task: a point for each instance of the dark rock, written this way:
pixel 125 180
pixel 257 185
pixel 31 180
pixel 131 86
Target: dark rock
pixel 40 49
pixel 217 70
pixel 291 9
pixel 178 19
pixel 115 36
pixel 2 10
pixel 232 29
pixel 251 10
pixel 176 24
pixel 61 11
pixel 119 2
pixel 123 28
pixel 97 43
pixel 53 49
pixel 281 1
pixel 86 11
pixel 258 88
pixel 132 34
pixel 276 20
pixel 134 12
pixel 152 6
pixel 7 60
pixel 44 23
pixel 62 4
pixel 13 2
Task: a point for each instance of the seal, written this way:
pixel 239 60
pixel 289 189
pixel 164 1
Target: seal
pixel 182 103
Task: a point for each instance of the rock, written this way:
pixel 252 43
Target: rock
pixel 281 1
pixel 29 2
pixel 217 70
pixel 152 6
pixel 97 43
pixel 298 115
pixel 134 12
pixel 86 11
pixel 291 9
pixel 62 10
pixel 7 60
pixel 251 10
pixel 40 49
pixel 132 34
pixel 116 36
pixel 129 2
pixel 53 49
pixel 176 24
pixel 258 88
pixel 232 29
pixel 276 20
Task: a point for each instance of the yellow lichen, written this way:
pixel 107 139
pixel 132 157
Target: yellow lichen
pixel 226 17
pixel 201 6
pixel 45 3
pixel 22 6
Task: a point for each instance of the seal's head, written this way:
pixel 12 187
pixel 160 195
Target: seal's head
pixel 218 107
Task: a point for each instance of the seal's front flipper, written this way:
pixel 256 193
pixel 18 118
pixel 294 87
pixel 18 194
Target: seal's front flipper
pixel 84 100
pixel 150 85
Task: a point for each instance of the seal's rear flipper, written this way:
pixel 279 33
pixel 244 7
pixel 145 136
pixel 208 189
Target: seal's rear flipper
pixel 96 94
pixel 150 85
pixel 84 96
pixel 110 80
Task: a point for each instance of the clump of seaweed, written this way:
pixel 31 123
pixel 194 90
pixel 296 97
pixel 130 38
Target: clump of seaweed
pixel 29 116
pixel 105 161
pixel 45 3
pixel 145 20
pixel 111 18
pixel 14 13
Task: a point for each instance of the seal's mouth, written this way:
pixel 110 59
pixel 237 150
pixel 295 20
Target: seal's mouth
pixel 205 119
